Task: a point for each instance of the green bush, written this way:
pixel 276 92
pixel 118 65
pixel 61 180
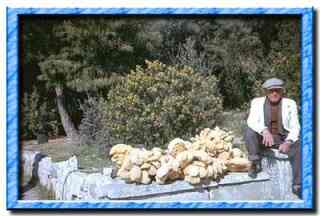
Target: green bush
pixel 92 129
pixel 155 104
pixel 37 117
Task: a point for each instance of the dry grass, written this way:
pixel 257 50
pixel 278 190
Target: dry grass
pixel 90 157
pixel 58 149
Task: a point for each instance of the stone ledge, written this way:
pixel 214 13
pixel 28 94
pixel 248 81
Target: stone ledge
pixel 68 182
pixel 241 178
pixel 196 196
pixel 118 189
pixel 275 153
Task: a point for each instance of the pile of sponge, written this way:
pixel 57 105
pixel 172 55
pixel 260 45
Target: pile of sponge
pixel 207 156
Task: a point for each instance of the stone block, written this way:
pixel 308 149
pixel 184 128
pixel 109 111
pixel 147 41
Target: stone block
pixel 69 183
pixel 94 184
pixel 239 186
pixel 62 171
pixel 180 197
pixel 275 154
pixel 45 172
pixel 27 160
pixel 72 189
pixel 279 169
pixel 276 166
pixel 119 189
pixel 234 178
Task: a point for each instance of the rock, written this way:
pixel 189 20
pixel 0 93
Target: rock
pixel 239 177
pixel 46 172
pixel 202 195
pixel 71 189
pixel 98 185
pixel 276 154
pixel 119 190
pixel 27 161
pixel 107 171
pixel 278 167
pixel 93 183
pixel 63 170
pixel 239 186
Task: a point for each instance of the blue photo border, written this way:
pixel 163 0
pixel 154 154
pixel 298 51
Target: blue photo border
pixel 307 107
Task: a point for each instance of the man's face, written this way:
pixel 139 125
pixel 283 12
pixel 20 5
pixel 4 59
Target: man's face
pixel 274 95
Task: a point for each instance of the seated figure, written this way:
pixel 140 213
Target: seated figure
pixel 273 123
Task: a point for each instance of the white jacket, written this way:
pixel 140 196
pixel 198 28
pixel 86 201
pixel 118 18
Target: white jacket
pixel 290 119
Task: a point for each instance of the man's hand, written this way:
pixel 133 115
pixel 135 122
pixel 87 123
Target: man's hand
pixel 284 147
pixel 267 138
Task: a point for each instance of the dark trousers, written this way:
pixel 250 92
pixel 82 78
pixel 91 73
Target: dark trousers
pixel 255 147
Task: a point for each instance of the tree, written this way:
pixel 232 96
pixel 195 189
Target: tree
pixel 37 116
pixel 284 56
pixel 188 55
pixel 83 55
pixel 236 54
pixel 90 49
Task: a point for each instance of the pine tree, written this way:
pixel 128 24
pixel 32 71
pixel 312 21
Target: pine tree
pixel 90 51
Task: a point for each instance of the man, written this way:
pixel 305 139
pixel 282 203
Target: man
pixel 273 123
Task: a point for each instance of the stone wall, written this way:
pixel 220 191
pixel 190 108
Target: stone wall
pixel 67 182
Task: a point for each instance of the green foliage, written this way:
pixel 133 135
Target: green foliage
pixel 92 54
pixel 236 54
pixel 284 58
pixel 93 130
pixel 37 117
pixel 188 55
pixel 155 104
pixel 90 50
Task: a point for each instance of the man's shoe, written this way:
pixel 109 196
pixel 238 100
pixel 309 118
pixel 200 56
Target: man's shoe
pixel 114 172
pixel 254 169
pixel 296 189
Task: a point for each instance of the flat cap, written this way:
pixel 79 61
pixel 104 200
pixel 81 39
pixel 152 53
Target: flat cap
pixel 273 83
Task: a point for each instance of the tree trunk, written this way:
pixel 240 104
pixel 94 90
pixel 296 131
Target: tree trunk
pixel 67 123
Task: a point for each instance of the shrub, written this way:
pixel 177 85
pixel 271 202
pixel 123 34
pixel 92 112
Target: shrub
pixel 37 117
pixel 92 129
pixel 27 123
pixel 155 104
pixel 188 55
